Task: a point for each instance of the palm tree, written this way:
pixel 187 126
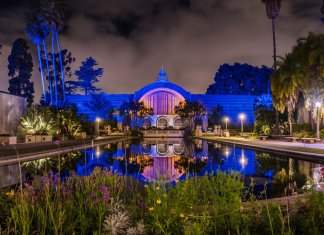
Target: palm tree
pixel 52 11
pixel 272 10
pixel 37 31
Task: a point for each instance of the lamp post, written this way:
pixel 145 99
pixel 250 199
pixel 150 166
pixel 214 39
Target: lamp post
pixel 242 117
pixel 226 120
pixel 318 105
pixel 97 126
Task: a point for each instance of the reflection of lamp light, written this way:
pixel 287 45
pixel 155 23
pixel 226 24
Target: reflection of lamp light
pixel 97 125
pixel 242 118
pixel 243 160
pixel 97 152
pixel 226 152
pixel 318 105
pixel 226 120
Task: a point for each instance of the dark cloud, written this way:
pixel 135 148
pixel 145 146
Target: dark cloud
pixel 191 38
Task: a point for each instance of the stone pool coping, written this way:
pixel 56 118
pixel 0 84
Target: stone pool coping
pixel 296 150
pixel 12 154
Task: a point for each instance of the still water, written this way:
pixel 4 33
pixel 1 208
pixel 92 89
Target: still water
pixel 171 160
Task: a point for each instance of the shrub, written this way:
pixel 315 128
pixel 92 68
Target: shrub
pixel 38 121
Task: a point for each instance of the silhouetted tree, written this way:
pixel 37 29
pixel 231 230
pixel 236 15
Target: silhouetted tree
pixel 100 105
pixel 87 75
pixel 240 79
pixel 53 12
pixel 215 115
pixel 135 111
pixel 20 66
pixel 67 61
pixel 37 30
pixel 189 112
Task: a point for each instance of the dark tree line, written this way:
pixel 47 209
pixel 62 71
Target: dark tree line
pixel 240 79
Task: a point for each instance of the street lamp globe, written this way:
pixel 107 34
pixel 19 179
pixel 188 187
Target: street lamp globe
pixel 318 104
pixel 242 116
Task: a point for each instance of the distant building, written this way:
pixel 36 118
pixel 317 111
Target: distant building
pixel 162 96
pixel 11 109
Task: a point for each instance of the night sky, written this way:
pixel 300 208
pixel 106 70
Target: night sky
pixel 131 39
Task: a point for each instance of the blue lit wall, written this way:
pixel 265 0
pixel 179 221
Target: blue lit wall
pixel 232 105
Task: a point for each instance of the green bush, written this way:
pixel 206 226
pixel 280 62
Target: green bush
pixel 306 127
pixel 304 134
pixel 38 121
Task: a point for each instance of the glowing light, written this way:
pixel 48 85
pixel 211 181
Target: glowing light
pixel 98 119
pixel 243 161
pixel 318 104
pixel 242 116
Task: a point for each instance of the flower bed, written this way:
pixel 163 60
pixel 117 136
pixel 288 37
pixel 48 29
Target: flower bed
pixel 112 204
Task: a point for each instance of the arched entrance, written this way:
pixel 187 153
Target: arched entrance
pixel 177 123
pixel 162 123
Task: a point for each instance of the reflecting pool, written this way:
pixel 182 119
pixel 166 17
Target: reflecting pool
pixel 171 160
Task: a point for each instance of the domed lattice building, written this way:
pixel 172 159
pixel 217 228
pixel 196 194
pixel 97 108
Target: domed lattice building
pixel 162 96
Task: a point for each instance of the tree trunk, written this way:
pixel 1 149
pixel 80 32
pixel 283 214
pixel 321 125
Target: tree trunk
pixel 41 71
pixel 61 65
pixel 54 66
pixel 48 74
pixel 290 119
pixel 275 68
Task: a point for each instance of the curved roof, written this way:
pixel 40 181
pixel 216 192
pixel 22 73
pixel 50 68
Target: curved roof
pixel 161 82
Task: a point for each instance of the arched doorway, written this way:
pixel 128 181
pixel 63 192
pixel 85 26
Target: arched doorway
pixel 177 123
pixel 162 123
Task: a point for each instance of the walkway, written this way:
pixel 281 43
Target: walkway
pixel 293 149
pixel 30 151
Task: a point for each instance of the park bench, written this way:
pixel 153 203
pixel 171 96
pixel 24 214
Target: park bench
pixel 310 140
pixel 291 138
pixel 263 137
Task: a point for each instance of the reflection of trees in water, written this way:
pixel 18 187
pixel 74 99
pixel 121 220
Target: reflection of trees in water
pixel 135 164
pixel 215 154
pixel 190 164
pixel 64 162
pixel 286 177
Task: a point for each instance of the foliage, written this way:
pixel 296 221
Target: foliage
pixel 67 61
pixel 133 111
pixel 100 105
pixel 189 112
pixel 20 66
pixel 214 117
pixel 69 123
pixel 240 79
pixel 137 134
pixel 104 202
pixel 264 120
pixel 38 121
pixel 300 74
pixel 87 75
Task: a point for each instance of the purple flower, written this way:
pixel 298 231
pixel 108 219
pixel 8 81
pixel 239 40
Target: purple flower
pixel 57 142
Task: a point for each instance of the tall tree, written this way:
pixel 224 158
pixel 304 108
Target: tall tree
pixel 189 112
pixel 272 11
pixel 100 105
pixel 37 30
pixel 135 111
pixel 53 13
pixel 20 66
pixel 67 61
pixel 240 79
pixel 322 12
pixel 87 75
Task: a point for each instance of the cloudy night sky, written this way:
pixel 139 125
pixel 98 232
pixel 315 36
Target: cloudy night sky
pixel 131 39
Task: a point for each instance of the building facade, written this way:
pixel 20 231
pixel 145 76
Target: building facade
pixel 162 96
pixel 11 109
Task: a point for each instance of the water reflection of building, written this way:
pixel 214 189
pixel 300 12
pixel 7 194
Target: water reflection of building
pixel 162 170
